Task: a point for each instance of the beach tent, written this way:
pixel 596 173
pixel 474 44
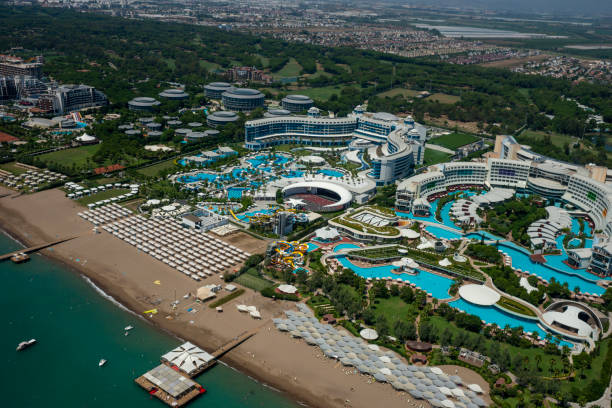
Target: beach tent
pixel 204 293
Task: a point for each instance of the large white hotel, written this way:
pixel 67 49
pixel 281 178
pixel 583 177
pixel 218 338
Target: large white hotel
pixel 394 146
pixel 511 166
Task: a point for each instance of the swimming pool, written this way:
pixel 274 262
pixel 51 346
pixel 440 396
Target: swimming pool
pixel 279 160
pixel 437 285
pixel 264 211
pixel 574 243
pixel 294 174
pixel 312 247
pixel 331 173
pixel 494 315
pixel 443 233
pixel 235 192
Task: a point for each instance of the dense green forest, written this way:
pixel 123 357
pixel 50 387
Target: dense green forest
pixel 131 57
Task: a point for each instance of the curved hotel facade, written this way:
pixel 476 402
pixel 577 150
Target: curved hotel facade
pixel 394 146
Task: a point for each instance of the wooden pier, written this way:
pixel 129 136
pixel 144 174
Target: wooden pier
pixel 195 389
pixel 34 248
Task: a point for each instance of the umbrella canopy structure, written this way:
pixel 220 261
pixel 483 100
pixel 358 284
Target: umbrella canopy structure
pixel 369 334
pixel 448 404
pixel 476 388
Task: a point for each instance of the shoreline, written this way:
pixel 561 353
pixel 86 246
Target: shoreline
pixel 140 282
pixel 107 294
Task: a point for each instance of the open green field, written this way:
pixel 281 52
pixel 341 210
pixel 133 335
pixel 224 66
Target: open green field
pixel 103 195
pixel 10 167
pixel 434 157
pixel 453 140
pixel 210 66
pixel 406 93
pixel 394 308
pixel 323 93
pixel 557 139
pixel 291 69
pixel 152 171
pixel 253 282
pixel 77 156
pixel 444 98
pixel 594 372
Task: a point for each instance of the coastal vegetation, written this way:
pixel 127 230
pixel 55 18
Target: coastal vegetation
pixel 226 298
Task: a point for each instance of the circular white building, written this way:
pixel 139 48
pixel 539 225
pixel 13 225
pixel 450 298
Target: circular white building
pixel 214 90
pixel 479 295
pixel 221 118
pixel 174 94
pixel 297 103
pixel 242 99
pixel 143 103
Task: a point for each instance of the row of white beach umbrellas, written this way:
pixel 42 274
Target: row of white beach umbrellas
pixel 421 382
pixel 105 214
pixel 194 254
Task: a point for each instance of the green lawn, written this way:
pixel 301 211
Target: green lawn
pixel 323 93
pixel 152 171
pixel 210 66
pixel 595 371
pixel 395 308
pixel 435 157
pixel 103 195
pixel 453 140
pixel 515 306
pixel 557 139
pixel 77 156
pixel 10 167
pixel 291 69
pixel 444 98
pixel 253 282
pixel 406 93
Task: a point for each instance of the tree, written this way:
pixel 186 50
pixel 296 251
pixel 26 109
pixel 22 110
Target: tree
pixel 382 325
pixel 404 330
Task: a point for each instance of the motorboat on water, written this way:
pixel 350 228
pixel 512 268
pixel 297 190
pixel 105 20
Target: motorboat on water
pixel 126 333
pixel 128 328
pixel 25 344
pixel 101 363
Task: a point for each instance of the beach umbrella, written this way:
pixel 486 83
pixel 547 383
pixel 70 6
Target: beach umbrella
pixel 416 394
pixel 419 374
pixel 346 361
pixel 448 403
pixel 380 377
pixel 305 334
pixel 397 385
pixel 480 402
pixel 445 391
pixel 458 392
pixel 471 405
pixel 475 387
pixel 435 402
pixel 310 341
pixel 412 368
pixel 456 379
pixel 363 368
pixel 396 373
pixel 428 395
pixel 385 371
pixel 439 383
pixel 385 359
pixel 282 327
pixel 295 333
pixel 470 394
pixel 431 376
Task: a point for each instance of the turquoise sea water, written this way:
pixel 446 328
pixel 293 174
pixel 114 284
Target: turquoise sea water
pixel 75 327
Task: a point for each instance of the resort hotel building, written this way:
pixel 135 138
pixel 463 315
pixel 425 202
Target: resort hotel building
pixel 214 90
pixel 394 146
pixel 242 99
pixel 584 191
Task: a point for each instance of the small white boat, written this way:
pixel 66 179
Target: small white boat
pixel 128 328
pixel 126 333
pixel 101 363
pixel 25 344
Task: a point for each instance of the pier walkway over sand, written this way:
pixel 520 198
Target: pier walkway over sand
pixel 34 248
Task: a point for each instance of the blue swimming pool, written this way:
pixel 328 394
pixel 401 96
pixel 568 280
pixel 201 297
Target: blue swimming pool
pixel 331 173
pixel 235 192
pixel 494 315
pixel 277 160
pixel 443 233
pixel 264 211
pixel 312 247
pixel 437 285
pixel 294 174
pixel 574 243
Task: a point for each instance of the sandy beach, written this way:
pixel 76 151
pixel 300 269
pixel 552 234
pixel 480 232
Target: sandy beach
pixel 129 275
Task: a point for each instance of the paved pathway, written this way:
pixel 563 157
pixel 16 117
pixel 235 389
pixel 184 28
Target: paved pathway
pixel 439 148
